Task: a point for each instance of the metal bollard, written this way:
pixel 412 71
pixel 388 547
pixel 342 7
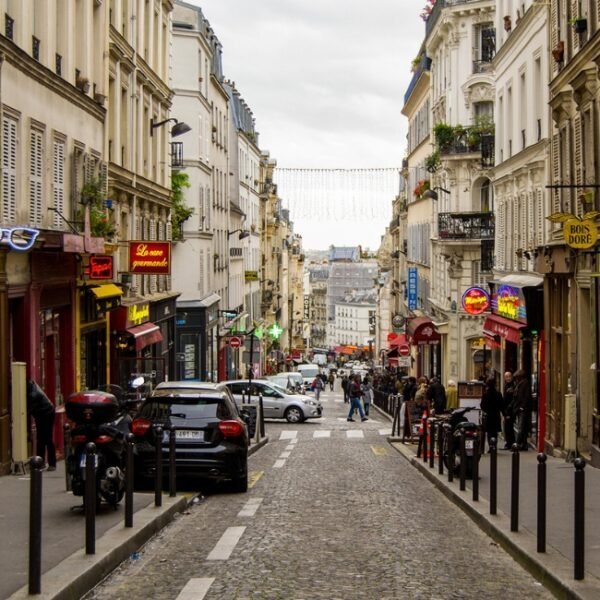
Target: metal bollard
pixel 440 438
pixel 424 440
pixel 36 464
pixel 432 425
pixel 451 458
pixel 463 464
pixel 514 489
pixel 475 472
pixel 90 498
pixel 172 466
pixel 493 476
pixel 541 503
pixel 262 417
pixel 579 518
pixel 67 452
pixel 158 466
pixel 129 438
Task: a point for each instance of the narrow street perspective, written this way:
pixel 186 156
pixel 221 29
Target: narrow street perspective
pixel 334 513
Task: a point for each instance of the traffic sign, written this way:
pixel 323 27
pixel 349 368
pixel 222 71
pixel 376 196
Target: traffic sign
pixel 235 342
pixel 404 350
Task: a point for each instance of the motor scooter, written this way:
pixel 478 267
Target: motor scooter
pixel 102 418
pixel 455 426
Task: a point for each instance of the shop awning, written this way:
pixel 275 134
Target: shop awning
pixel 107 290
pixel 398 340
pixel 421 330
pixel 145 335
pixel 509 330
pixel 520 281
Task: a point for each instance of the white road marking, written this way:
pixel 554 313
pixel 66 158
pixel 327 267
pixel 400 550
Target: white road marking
pixel 195 589
pixel 322 434
pixel 278 464
pixel 285 455
pixel 358 433
pixel 250 507
pixel 291 446
pixel 227 543
pixel 385 432
pixel 339 400
pixel 293 441
pixel 288 435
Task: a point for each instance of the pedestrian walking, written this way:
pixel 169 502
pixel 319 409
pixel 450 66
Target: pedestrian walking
pixel 451 395
pixel 345 384
pixel 522 409
pixel 491 406
pixel 354 391
pixel 317 386
pixel 436 394
pixel 42 410
pixel 331 380
pixel 367 394
pixel 507 410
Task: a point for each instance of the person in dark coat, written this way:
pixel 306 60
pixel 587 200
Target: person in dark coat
pixel 409 390
pixel 522 406
pixel 491 405
pixel 507 410
pixel 42 410
pixel 436 394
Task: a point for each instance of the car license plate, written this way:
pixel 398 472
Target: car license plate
pixel 469 444
pixel 82 461
pixel 186 434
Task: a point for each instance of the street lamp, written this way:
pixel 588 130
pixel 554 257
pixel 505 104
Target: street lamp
pixel 178 129
pixel 433 194
pixel 244 233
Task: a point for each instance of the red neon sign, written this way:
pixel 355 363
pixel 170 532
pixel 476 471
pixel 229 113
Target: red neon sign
pixel 101 267
pixel 475 301
pixel 150 258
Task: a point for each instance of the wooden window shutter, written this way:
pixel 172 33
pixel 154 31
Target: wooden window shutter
pixel 574 36
pixel 201 285
pixel 555 158
pixel 567 167
pixel 530 229
pixel 58 181
pixel 36 170
pixel 539 218
pixel 554 31
pixel 577 151
pixel 202 219
pixel 9 170
pixel 500 237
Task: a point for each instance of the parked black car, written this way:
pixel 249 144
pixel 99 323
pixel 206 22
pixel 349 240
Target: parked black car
pixel 211 434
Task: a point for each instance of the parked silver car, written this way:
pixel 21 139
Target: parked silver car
pixel 290 381
pixel 278 403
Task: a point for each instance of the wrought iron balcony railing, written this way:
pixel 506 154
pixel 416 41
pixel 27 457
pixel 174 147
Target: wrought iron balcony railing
pixel 466 226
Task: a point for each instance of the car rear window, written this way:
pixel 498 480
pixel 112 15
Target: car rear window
pixel 185 407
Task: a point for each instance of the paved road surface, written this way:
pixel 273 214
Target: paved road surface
pixel 334 513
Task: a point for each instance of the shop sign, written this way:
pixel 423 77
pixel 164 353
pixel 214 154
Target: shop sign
pixel 475 301
pixel 398 321
pixel 138 313
pixel 18 238
pixel 510 303
pixel 412 288
pixel 150 258
pixel 250 276
pixel 579 232
pixel 101 267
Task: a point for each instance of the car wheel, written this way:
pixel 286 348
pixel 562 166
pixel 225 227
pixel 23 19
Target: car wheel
pixel 239 485
pixel 294 415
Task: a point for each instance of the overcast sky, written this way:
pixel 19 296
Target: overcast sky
pixel 325 80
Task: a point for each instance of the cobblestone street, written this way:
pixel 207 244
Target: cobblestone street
pixel 334 513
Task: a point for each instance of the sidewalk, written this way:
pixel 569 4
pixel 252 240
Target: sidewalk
pixel 67 572
pixel 555 567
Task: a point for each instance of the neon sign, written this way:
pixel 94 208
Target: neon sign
pixel 510 304
pixel 101 267
pixel 18 238
pixel 475 301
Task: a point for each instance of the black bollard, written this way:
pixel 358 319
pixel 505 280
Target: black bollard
pixel 158 441
pixel 90 498
pixel 262 417
pixel 172 466
pixel 424 440
pixel 514 489
pixel 541 503
pixel 36 464
pixel 67 453
pixel 440 440
pixel 476 468
pixel 432 425
pixel 579 518
pixel 493 476
pixel 463 464
pixel 129 475
pixel 451 458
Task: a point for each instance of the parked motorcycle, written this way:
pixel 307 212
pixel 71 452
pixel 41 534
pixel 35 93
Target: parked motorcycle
pixel 458 425
pixel 102 418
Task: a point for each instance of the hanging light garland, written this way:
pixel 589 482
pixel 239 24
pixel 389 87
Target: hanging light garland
pixel 337 194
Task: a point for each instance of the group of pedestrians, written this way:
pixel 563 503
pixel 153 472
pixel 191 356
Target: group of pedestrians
pixel 358 393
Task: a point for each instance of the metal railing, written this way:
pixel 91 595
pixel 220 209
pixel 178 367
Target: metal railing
pixel 466 225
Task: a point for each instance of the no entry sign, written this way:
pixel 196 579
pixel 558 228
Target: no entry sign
pixel 235 342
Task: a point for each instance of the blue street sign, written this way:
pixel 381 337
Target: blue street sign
pixel 412 288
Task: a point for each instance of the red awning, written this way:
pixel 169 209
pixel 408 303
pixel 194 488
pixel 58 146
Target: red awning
pixel 509 330
pixel 399 340
pixel 145 335
pixel 421 330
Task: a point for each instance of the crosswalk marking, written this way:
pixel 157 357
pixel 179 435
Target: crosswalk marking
pixel 226 545
pixel 278 464
pixel 250 508
pixel 293 441
pixel 285 455
pixel 195 589
pixel 290 447
pixel 355 433
pixel 322 434
pixel 385 432
pixel 288 435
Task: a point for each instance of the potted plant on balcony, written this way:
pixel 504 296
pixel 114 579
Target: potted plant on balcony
pixel 558 52
pixel 579 24
pixel 92 194
pixel 421 187
pixel 444 135
pixel 180 212
pixel 432 162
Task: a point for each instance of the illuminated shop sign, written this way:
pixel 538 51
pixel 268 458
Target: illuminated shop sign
pixel 475 301
pixel 510 303
pixel 150 258
pixel 101 267
pixel 18 238
pixel 138 313
pixel 413 279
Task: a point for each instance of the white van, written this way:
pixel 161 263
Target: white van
pixel 308 372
